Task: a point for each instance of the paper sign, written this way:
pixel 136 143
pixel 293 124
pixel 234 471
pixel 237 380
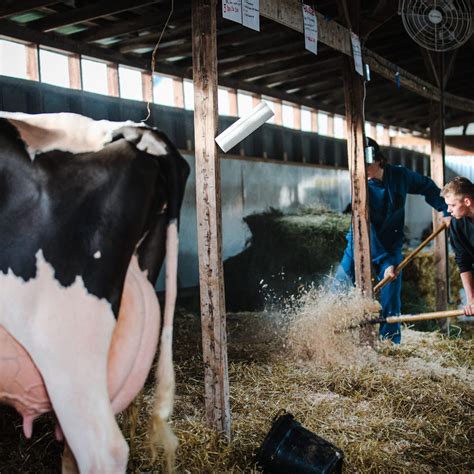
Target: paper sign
pixel 357 53
pixel 310 29
pixel 251 14
pixel 232 10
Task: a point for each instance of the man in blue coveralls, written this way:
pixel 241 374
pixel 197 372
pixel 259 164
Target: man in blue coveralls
pixel 388 187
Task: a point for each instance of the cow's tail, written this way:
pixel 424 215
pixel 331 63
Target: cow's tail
pixel 161 433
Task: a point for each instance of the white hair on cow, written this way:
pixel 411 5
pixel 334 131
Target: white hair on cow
pixel 63 131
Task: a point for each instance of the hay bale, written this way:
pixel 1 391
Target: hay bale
pixel 284 252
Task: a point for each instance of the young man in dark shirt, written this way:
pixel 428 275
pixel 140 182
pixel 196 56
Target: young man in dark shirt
pixel 459 197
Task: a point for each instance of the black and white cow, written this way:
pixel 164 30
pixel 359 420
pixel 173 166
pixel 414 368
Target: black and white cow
pixel 88 210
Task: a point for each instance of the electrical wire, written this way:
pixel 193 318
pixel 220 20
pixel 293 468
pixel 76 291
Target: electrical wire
pixel 153 58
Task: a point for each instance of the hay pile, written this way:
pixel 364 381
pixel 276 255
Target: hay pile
pixel 390 409
pixel 284 252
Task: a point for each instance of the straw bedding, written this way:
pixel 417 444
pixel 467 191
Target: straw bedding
pixel 390 409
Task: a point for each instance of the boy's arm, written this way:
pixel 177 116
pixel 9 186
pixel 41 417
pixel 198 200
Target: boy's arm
pixel 468 285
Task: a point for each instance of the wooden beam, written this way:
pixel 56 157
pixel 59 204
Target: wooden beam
pixel 334 35
pixel 297 117
pixel 330 125
pixel 440 242
pixel 233 104
pixel 314 121
pixel 147 86
pixel 237 65
pixel 255 100
pixel 278 112
pixel 75 71
pixel 178 92
pixel 61 42
pixel 383 12
pixel 275 71
pixel 208 203
pixel 113 87
pixel 15 7
pixel 354 96
pixel 32 69
pixel 138 23
pixel 88 13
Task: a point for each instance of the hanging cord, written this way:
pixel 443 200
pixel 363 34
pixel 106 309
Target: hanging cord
pixel 153 58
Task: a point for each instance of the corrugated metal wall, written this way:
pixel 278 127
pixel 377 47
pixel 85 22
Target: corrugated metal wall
pixel 269 141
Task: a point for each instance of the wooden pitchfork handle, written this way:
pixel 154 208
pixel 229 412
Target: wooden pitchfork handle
pixel 406 318
pixel 409 257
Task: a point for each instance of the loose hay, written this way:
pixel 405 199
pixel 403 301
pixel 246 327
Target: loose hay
pixel 411 412
pixel 319 328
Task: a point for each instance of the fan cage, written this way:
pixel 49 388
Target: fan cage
pixel 438 25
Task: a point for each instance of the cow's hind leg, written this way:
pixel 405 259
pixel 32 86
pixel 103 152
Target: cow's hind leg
pixel 77 386
pixel 67 332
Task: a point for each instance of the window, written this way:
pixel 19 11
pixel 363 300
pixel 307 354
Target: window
pixel 130 83
pixel 368 129
pixel 288 117
pixel 322 123
pixel 54 68
pixel 94 76
pixel 13 59
pixel 244 103
pixel 223 101
pixel 188 94
pixel 379 130
pixel 163 90
pixel 339 124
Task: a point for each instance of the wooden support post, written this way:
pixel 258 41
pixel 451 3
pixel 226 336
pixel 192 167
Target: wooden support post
pixel 32 70
pixel 354 97
pixel 75 71
pixel 314 121
pixel 278 113
pixel 147 86
pixel 112 80
pixel 178 91
pixel 353 91
pixel 208 202
pixel 296 116
pixel 233 107
pixel 440 243
pixel 255 100
pixel 331 125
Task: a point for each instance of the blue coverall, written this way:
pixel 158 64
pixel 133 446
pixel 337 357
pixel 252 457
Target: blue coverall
pixel 387 200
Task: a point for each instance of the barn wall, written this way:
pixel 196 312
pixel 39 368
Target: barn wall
pixel 295 169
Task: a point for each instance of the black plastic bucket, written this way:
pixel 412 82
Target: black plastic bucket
pixel 289 448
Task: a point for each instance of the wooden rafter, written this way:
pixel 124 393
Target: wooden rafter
pixel 334 35
pixel 88 13
pixel 13 7
pixel 383 12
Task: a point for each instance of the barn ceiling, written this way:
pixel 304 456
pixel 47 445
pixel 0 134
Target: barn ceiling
pixel 270 62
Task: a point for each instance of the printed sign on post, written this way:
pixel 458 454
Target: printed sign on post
pixel 357 53
pixel 232 10
pixel 310 29
pixel 251 14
